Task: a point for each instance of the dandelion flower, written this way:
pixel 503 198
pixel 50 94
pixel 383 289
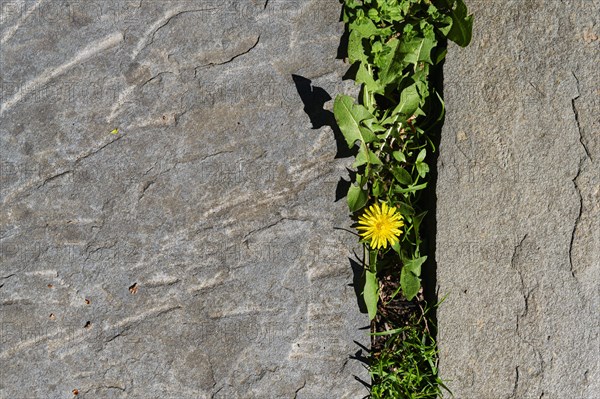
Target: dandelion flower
pixel 381 224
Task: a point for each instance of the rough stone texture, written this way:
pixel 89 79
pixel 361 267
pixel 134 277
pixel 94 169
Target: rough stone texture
pixel 518 211
pixel 193 254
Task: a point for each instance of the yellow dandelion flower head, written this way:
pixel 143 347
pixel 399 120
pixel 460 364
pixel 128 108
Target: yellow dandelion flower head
pixel 381 224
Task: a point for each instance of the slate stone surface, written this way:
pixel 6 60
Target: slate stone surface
pixel 193 253
pixel 518 204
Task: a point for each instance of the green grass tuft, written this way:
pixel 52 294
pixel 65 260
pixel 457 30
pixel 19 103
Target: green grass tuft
pixel 406 367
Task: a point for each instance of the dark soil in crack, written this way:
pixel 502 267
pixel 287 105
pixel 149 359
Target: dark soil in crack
pixel 393 312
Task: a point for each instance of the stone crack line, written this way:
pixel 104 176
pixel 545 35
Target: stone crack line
pixel 56 175
pixel 577 189
pixel 158 25
pixel 514 392
pixel 6 278
pixel 270 225
pixel 576 114
pixel 515 254
pixel 576 224
pixel 211 64
pixel 299 389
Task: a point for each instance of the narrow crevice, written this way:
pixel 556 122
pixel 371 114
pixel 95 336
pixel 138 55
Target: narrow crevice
pixel 429 273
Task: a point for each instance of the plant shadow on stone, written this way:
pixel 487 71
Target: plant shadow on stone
pixel 314 98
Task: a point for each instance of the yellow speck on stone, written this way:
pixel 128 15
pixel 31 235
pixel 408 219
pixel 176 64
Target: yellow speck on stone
pixel 114 131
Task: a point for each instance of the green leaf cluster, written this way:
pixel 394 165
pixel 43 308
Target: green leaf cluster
pixel 406 368
pixel 393 47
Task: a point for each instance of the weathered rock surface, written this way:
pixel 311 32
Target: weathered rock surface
pixel 192 254
pixel 518 211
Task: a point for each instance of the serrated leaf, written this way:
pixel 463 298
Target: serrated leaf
pixel 374 126
pixel 357 198
pixel 364 156
pixel 373 14
pixel 363 76
pixel 462 24
pixel 418 49
pixel 371 293
pixel 356 51
pixel 410 284
pixel 348 117
pixel 387 53
pixel 442 22
pixel 409 101
pixel 391 63
pixel 365 27
pixel 408 52
pixel 409 276
pixel 414 265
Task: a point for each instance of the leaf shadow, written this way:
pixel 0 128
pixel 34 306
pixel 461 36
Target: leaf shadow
pixel 358 282
pixel 314 99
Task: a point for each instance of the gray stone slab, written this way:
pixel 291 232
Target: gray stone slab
pixel 193 254
pixel 518 210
